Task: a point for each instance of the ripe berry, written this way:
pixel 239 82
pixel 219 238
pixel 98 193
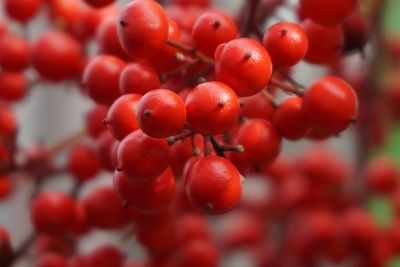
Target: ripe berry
pixel 261 142
pixel 94 120
pixel 107 39
pixel 13 86
pixel 212 108
pixel 161 113
pixel 14 52
pixel 382 175
pixel 244 65
pixel 324 44
pixel 106 256
pixel 104 208
pixel 121 117
pixel 138 78
pixel 286 43
pixel 213 185
pixel 192 226
pixel 105 146
pixel 99 3
pixel 330 104
pixel 83 163
pixel 53 213
pixel 51 260
pixel 142 28
pixel 8 120
pixel 142 157
pixel 257 107
pixel 212 29
pixel 56 56
pixel 6 186
pixel 81 225
pixel 199 253
pixel 146 197
pixel 356 30
pixel 328 12
pixel 22 11
pixel 290 120
pixel 188 3
pixel 101 79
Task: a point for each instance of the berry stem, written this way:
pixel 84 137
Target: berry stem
pixel 221 149
pixel 286 87
pixel 181 136
pixel 191 50
pixel 271 98
pixel 178 71
pixel 68 141
pixel 294 82
pixel 22 249
pixel 207 145
pixel 250 26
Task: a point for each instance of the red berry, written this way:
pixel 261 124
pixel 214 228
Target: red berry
pixel 121 117
pixel 83 163
pixel 106 256
pixel 330 104
pixel 138 78
pixel 99 3
pixel 191 227
pixel 104 208
pixel 257 107
pixel 142 28
pixel 142 157
pixel 101 79
pixel 328 12
pixel 8 120
pixel 105 146
pixel 199 253
pixel 81 225
pixel 382 175
pixel 244 65
pixel 51 260
pixel 213 185
pixel 13 86
pixel 14 52
pixel 187 3
pixel 290 120
pixel 94 120
pixel 356 30
pixel 6 186
pixel 53 213
pixel 22 11
pixel 56 56
pixel 6 252
pixel 286 43
pixel 161 113
pixel 146 197
pixel 212 108
pixel 261 142
pixel 107 39
pixel 324 44
pixel 212 29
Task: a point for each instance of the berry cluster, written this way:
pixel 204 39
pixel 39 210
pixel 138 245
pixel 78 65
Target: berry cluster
pixel 188 101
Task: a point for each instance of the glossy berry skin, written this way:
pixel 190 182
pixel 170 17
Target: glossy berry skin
pixel 161 113
pixel 330 104
pixel 212 108
pixel 382 175
pixel 14 52
pixel 13 86
pixel 83 163
pixel 94 120
pixel 56 56
pixel 213 185
pixel 257 107
pixel 290 120
pixel 324 44
pixel 107 39
pixel 53 213
pixel 199 253
pixel 142 157
pixel 212 29
pixel 330 12
pixel 106 256
pixel 286 44
pixel 121 117
pixel 138 78
pixel 142 28
pixel 22 11
pixel 261 142
pixel 244 65
pixel 101 79
pixel 104 208
pixel 51 260
pixel 146 197
pixel 99 3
